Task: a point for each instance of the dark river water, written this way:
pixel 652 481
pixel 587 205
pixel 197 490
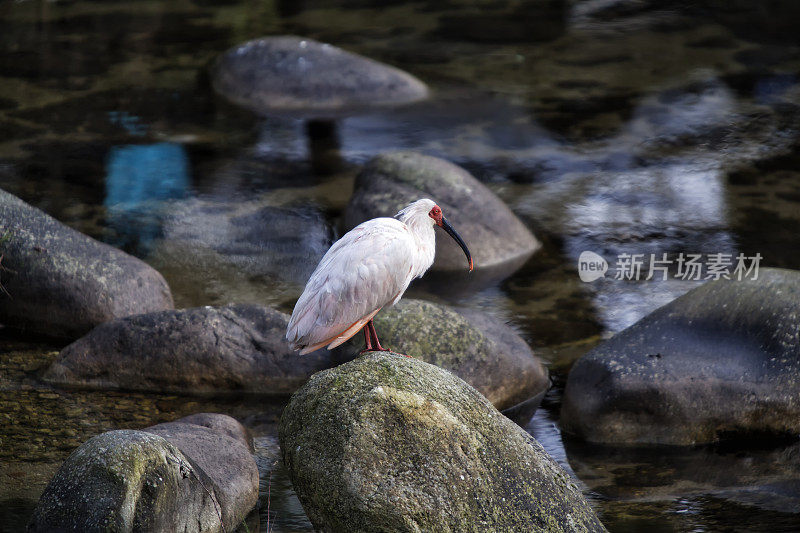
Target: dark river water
pixel 611 126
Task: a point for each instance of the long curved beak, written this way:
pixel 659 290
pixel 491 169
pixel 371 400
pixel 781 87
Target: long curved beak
pixel 456 237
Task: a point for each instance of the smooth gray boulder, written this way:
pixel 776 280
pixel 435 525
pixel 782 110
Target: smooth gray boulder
pixel 61 283
pixel 392 180
pixel 300 76
pixel 239 348
pixel 170 477
pixel 389 443
pixel 219 423
pixel 223 448
pixel 474 346
pixel 722 360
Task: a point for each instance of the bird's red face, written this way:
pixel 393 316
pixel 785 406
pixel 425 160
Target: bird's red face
pixel 436 214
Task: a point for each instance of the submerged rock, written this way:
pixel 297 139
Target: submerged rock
pixel 720 361
pixel 171 477
pixel 59 282
pixel 237 348
pixel 474 346
pixel 493 233
pixel 300 76
pixel 257 240
pixel 388 443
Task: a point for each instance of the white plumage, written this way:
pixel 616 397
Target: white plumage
pixel 370 267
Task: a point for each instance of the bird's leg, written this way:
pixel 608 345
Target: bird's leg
pixel 377 343
pixel 374 335
pixel 367 340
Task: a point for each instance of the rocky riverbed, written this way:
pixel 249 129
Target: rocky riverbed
pixel 613 127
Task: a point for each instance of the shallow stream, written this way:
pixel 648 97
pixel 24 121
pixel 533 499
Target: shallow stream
pixel 613 126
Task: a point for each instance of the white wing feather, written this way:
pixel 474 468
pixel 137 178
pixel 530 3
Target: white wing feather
pixel 368 268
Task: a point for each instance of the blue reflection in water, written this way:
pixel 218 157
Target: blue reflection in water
pixel 138 179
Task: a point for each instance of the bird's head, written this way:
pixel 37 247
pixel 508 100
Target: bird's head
pixel 438 218
pixel 414 212
pixel 436 214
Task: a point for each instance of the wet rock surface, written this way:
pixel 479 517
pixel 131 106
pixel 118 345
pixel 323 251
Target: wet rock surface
pixel 391 443
pixel 493 233
pixel 58 282
pixel 171 477
pixel 719 362
pixel 288 74
pixel 477 348
pixel 238 348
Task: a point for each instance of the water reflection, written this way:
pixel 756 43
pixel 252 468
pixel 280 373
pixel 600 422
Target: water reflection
pixel 774 89
pixel 652 190
pixel 138 178
pixel 220 249
pixel 706 486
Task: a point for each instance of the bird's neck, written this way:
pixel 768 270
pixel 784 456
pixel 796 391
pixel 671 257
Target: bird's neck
pixel 421 228
pixel 424 234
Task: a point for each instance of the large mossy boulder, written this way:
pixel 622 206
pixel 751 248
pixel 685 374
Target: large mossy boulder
pixel 61 283
pixel 722 360
pixel 392 180
pixel 171 477
pixel 239 348
pixel 476 347
pixel 389 443
pixel 300 76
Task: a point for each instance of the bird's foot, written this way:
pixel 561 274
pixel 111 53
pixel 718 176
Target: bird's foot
pixel 365 350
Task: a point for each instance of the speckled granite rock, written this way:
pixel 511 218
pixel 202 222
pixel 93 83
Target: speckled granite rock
pixel 721 360
pixel 222 448
pixel 61 283
pixel 388 443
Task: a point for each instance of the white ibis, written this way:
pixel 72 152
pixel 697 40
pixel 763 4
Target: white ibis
pixel 369 268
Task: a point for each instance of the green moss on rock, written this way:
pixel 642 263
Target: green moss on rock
pixel 186 475
pixel 388 443
pixel 125 481
pixel 479 349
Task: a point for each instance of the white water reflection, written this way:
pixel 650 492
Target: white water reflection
pixel 284 136
pixel 645 203
pixel 679 208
